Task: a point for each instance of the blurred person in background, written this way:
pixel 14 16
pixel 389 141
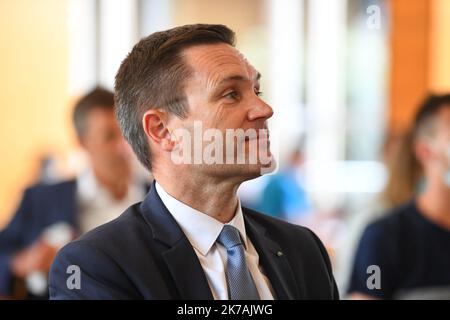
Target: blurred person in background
pixel 409 248
pixel 50 215
pixel 404 181
pixel 284 195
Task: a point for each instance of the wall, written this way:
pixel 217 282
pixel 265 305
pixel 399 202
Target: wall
pixel 419 48
pixel 440 46
pixel 34 105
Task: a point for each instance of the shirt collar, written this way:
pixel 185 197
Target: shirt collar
pixel 201 230
pixel 87 186
pixel 89 190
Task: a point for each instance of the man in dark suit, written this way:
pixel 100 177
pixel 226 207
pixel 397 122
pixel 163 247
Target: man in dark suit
pixel 190 238
pixel 51 214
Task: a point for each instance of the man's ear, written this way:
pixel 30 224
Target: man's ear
pixel 154 123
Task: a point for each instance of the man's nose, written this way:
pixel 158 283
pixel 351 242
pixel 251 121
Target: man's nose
pixel 260 110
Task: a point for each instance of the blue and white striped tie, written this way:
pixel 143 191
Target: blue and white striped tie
pixel 239 280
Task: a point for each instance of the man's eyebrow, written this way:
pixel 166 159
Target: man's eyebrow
pixel 237 78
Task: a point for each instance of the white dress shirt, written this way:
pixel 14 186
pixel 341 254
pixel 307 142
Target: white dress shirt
pixel 96 205
pixel 202 232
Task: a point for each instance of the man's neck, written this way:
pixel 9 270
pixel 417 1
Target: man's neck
pixel 218 199
pixel 117 186
pixel 434 203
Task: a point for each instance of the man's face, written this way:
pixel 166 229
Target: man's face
pixel 223 95
pixel 103 141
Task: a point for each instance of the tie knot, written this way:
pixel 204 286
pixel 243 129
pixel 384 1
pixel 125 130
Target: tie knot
pixel 229 237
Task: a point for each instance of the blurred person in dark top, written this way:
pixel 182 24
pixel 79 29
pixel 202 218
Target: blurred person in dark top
pixel 404 181
pixel 50 215
pixel 406 254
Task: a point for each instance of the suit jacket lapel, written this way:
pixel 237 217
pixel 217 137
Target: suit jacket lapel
pixel 187 271
pixel 180 257
pixel 273 260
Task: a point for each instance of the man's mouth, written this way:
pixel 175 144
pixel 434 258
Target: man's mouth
pixel 258 137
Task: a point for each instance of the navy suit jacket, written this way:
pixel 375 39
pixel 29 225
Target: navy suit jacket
pixel 41 206
pixel 144 254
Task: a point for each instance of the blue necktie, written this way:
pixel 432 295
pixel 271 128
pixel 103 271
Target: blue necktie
pixel 239 280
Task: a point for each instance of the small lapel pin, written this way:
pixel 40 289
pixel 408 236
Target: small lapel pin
pixel 279 254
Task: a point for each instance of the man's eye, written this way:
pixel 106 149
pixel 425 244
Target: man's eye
pixel 258 93
pixel 232 95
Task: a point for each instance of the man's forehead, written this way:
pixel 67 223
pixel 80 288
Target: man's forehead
pixel 217 61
